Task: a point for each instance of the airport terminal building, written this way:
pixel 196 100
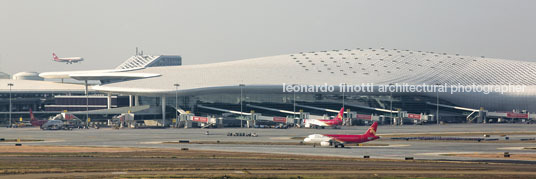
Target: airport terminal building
pixel 155 87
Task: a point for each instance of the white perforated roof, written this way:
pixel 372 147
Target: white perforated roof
pixel 32 86
pixel 138 61
pixel 351 66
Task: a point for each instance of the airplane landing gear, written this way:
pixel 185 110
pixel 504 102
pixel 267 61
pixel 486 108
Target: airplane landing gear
pixel 337 145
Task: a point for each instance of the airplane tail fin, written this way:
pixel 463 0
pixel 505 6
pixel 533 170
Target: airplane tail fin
pixel 340 115
pixel 32 117
pixel 54 56
pixel 68 116
pixel 372 130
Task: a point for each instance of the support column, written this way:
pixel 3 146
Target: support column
pixel 136 100
pixel 129 100
pixel 87 103
pixel 220 122
pixel 109 100
pixel 163 104
pixel 187 124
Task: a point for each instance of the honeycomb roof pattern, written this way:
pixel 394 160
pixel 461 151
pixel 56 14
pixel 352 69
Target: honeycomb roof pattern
pixel 355 66
pixel 416 67
pixel 138 61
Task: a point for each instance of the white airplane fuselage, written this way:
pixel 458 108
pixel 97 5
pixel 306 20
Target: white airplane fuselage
pixel 68 60
pixel 316 138
pixel 315 122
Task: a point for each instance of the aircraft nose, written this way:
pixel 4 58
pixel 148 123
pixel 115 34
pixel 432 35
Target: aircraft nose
pixel 307 140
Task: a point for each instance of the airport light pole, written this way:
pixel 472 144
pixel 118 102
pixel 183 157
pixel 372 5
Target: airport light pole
pixel 343 90
pixel 294 102
pixel 241 106
pixel 87 103
pixel 391 103
pixel 176 103
pixel 437 104
pixel 343 85
pixel 10 85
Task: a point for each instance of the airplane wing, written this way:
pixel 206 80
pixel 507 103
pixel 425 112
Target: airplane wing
pixel 334 138
pixel 339 141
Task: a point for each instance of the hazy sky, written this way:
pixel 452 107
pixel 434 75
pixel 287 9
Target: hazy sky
pixel 106 32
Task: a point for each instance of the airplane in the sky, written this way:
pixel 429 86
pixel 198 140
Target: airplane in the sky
pixel 310 123
pixel 338 140
pixel 68 60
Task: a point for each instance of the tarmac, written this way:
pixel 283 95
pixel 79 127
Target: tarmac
pixel 383 148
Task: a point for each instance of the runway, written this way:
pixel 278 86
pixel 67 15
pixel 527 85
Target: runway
pixel 268 139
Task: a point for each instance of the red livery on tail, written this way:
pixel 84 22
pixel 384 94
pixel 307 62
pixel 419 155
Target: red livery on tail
pixel 315 123
pixel 35 122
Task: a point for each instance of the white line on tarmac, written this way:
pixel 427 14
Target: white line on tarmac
pixel 515 148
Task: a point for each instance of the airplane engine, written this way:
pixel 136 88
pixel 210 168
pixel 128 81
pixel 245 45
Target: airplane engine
pixel 325 143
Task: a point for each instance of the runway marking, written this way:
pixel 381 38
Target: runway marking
pixel 444 153
pixel 458 133
pixel 516 148
pixel 386 146
pixel 30 142
pixel 118 173
pixel 281 138
pixel 151 142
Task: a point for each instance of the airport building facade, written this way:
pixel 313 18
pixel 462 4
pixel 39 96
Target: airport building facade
pixel 260 85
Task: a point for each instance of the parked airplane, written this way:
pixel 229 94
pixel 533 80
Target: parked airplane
pixel 53 125
pixel 68 60
pixel 338 140
pixel 310 123
pixel 65 121
pixel 35 122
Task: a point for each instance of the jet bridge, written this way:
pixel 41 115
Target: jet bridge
pixel 373 109
pixel 479 114
pixel 273 109
pixel 251 118
pixel 180 121
pixel 317 108
pixel 224 110
pixel 279 119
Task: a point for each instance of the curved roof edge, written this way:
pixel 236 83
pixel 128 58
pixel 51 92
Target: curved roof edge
pixel 171 90
pixel 111 76
pixel 93 73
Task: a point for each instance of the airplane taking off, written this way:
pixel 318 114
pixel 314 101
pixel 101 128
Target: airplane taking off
pixel 310 123
pixel 35 122
pixel 68 60
pixel 338 140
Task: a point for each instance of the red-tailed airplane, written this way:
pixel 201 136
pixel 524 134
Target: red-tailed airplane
pixel 35 122
pixel 338 140
pixel 68 60
pixel 310 123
